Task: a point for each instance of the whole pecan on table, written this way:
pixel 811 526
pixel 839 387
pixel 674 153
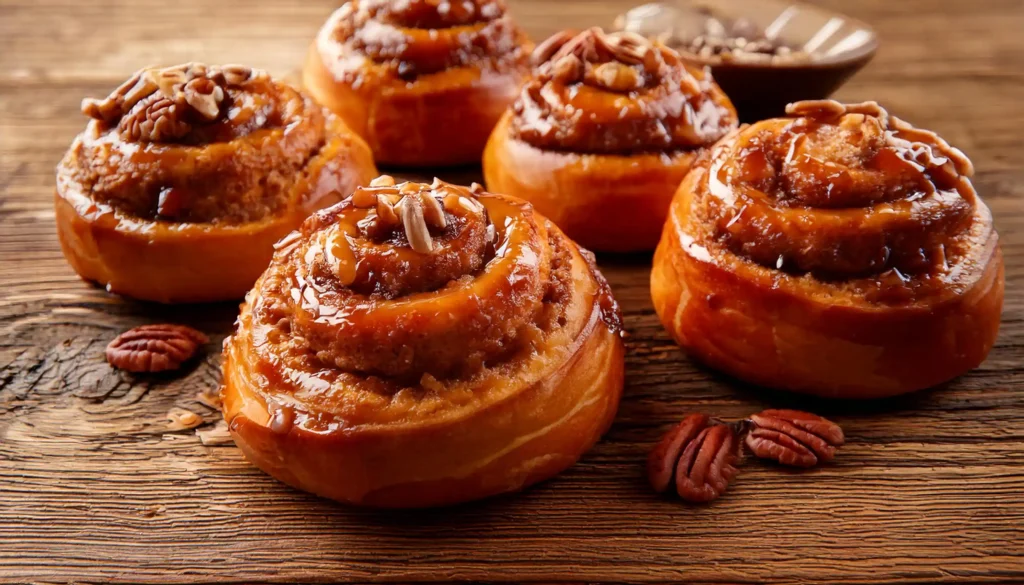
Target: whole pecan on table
pixel 154 348
pixel 791 437
pixel 697 456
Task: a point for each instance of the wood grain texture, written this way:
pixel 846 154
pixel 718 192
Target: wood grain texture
pixel 93 488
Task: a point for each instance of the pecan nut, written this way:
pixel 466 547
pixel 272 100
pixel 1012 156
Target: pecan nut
pixel 548 48
pixel 567 69
pixel 791 437
pixel 154 348
pixel 617 77
pixel 698 457
pixel 158 119
pixel 205 97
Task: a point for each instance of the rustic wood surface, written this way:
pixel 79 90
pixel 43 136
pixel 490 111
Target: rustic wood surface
pixel 93 487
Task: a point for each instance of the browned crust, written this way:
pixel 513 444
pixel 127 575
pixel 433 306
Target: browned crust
pixel 185 263
pixel 440 119
pixel 789 337
pixel 611 203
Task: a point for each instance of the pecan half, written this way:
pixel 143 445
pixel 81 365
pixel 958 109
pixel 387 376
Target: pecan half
pixel 699 459
pixel 549 47
pixel 154 348
pixel 791 437
pixel 158 119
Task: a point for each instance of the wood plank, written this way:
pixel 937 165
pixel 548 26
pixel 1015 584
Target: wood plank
pixel 93 488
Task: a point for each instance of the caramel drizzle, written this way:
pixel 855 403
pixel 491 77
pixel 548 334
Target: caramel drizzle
pixel 378 30
pixel 922 147
pixel 414 207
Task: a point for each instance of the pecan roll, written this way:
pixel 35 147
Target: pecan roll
pixel 839 251
pixel 422 81
pixel 186 176
pixel 603 133
pixel 421 345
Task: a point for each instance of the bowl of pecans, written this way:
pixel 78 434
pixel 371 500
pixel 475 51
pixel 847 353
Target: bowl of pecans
pixel 763 53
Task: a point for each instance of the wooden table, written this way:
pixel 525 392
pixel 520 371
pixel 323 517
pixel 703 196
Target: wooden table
pixel 93 487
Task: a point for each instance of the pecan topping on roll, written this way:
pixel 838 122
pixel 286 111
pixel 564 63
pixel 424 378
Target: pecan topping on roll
pixel 619 92
pixel 411 279
pixel 844 193
pixel 419 37
pixel 166 105
pixel 205 144
pixel 838 251
pixel 423 344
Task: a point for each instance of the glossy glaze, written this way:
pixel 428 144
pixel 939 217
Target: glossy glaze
pixel 404 391
pixel 602 134
pixel 839 252
pixel 195 219
pixel 423 82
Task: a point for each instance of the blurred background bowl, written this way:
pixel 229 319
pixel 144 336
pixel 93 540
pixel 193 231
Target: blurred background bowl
pixel 826 48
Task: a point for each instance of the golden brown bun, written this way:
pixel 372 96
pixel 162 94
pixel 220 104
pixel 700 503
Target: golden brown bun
pixel 432 100
pixel 839 252
pixel 186 176
pixel 601 136
pixel 421 345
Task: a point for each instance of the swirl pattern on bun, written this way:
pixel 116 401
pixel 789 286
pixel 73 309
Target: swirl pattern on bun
pixel 423 81
pixel 839 251
pixel 603 133
pixel 431 343
pixel 197 161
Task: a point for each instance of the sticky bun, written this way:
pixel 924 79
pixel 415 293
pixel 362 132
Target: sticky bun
pixel 186 176
pixel 839 251
pixel 603 133
pixel 423 81
pixel 420 345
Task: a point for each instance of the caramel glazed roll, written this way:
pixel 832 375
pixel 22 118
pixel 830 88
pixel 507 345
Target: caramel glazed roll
pixel 420 345
pixel 839 252
pixel 423 81
pixel 186 176
pixel 603 133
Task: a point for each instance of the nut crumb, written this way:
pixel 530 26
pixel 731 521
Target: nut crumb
pixel 180 419
pixel 218 434
pixel 209 398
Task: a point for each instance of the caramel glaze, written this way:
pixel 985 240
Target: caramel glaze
pixel 849 196
pixel 250 162
pixel 186 176
pixel 423 344
pixel 603 133
pixel 422 81
pixel 420 37
pixel 839 251
pixel 347 305
pixel 614 94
